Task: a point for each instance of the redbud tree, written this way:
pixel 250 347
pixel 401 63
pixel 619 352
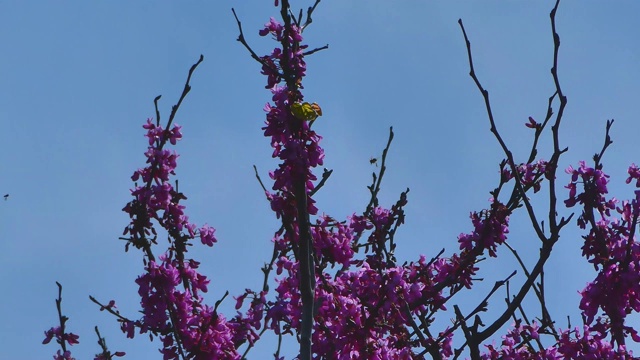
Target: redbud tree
pixel 335 287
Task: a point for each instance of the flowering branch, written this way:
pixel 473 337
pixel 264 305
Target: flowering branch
pixel 106 354
pixel 62 338
pixel 339 289
pixel 474 338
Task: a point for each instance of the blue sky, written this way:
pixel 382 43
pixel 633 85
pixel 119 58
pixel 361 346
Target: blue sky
pixel 78 79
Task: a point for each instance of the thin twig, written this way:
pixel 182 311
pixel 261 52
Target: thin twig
pixel 374 189
pixel 510 161
pixel 310 11
pixel 255 169
pixel 63 319
pixel 315 50
pixel 243 41
pixel 325 176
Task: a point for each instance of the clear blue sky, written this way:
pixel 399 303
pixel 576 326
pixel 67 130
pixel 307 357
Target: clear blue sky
pixel 78 78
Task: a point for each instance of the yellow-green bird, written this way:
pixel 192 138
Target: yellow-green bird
pixel 305 111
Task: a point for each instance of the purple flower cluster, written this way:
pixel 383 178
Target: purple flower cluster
pixel 170 289
pixel 595 187
pixel 614 252
pixel 530 174
pixel 61 338
pixel 490 229
pixel 571 345
pixel 364 309
pixel 156 199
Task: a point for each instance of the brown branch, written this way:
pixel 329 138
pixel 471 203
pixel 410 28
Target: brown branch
pixel 374 188
pixel 494 130
pixel 538 289
pixel 554 227
pixel 315 50
pixel 549 242
pixel 310 11
pixel 255 169
pixel 243 41
pixel 325 176
pixel 185 91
